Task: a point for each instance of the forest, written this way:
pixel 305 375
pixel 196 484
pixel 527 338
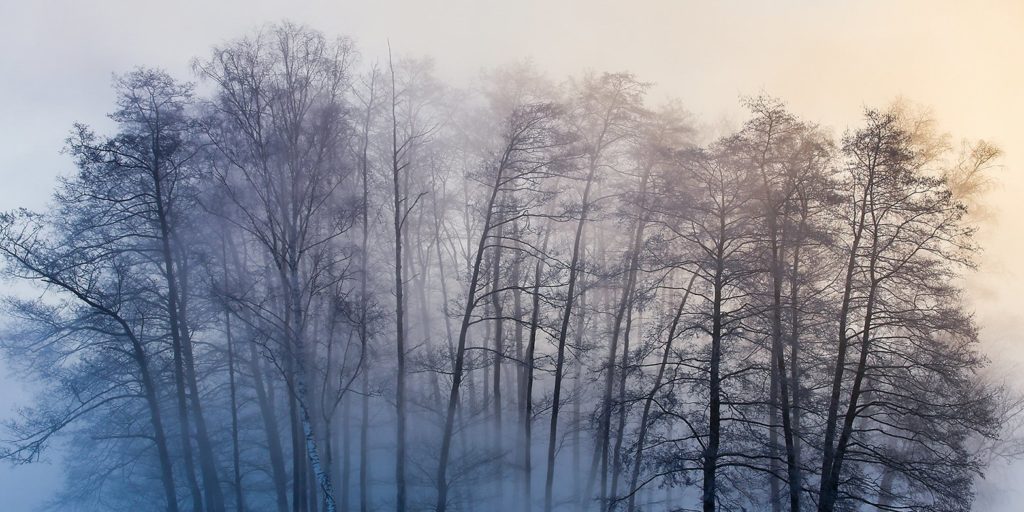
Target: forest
pixel 300 280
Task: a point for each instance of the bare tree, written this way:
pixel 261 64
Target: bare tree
pixel 285 88
pixel 529 133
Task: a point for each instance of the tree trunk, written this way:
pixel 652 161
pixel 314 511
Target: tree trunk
pixel 270 427
pixel 796 480
pixel 499 348
pixel 207 463
pixel 364 425
pixel 826 501
pixel 781 387
pixel 346 454
pixel 522 369
pixel 621 428
pixel 178 361
pixel 235 457
pixel 182 347
pixel 622 310
pixel 649 400
pixel 399 217
pixel 531 348
pixel 710 466
pixel 159 435
pixel 562 334
pixel 460 351
pixel 830 495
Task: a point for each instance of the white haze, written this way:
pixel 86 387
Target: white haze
pixel 827 60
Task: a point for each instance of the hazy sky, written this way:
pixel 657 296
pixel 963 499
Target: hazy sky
pixel 827 60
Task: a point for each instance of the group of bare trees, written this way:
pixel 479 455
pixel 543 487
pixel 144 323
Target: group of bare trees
pixel 322 285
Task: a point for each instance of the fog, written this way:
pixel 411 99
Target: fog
pixel 703 82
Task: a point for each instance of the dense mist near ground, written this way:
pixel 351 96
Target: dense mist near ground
pixel 311 280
